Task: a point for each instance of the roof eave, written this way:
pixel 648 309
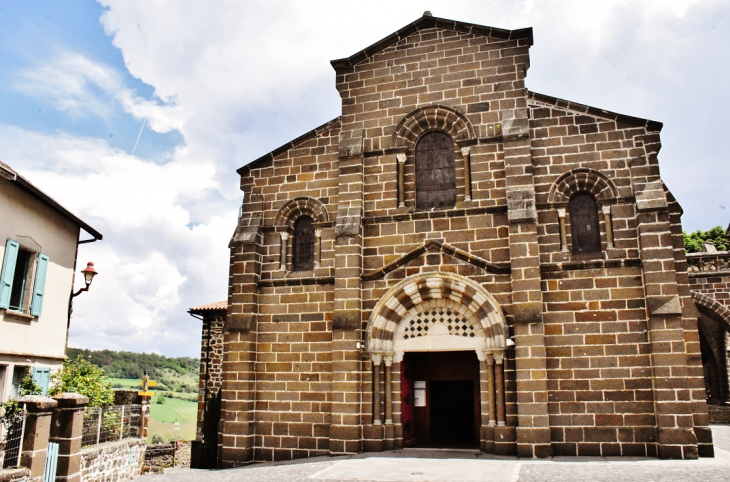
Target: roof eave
pixel 49 201
pixel 431 22
pixel 293 143
pixel 650 125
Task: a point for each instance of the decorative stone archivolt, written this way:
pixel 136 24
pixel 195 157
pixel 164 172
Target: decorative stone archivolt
pixel 432 117
pixel 452 312
pixel 301 206
pixel 287 217
pixel 582 179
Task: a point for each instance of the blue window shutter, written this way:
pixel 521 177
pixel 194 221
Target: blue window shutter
pixel 41 377
pixel 6 278
pixel 40 284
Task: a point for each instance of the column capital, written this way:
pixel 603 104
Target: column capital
pixel 318 233
pixel 465 151
pixel 377 359
pixel 401 157
pixel 388 360
pixel 606 209
pixel 284 235
pixel 498 357
pixel 561 212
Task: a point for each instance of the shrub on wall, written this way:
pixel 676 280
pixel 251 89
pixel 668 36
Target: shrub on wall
pixel 81 376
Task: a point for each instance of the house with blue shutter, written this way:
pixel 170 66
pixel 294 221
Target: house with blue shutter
pixel 39 242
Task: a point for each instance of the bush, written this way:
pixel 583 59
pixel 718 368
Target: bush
pixel 158 439
pixel 693 241
pixel 82 377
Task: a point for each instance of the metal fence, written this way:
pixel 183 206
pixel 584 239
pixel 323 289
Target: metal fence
pixel 11 440
pixel 111 423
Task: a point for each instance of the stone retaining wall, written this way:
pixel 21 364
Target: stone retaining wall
pixel 114 461
pixel 15 475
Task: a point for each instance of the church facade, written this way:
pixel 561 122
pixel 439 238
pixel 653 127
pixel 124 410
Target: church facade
pixel 457 261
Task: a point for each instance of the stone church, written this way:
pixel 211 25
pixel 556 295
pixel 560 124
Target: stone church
pixel 457 261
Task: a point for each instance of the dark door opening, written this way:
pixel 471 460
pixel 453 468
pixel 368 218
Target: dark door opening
pixel 452 413
pixel 441 403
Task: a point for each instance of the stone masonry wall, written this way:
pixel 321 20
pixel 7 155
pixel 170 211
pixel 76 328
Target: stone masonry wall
pixel 211 365
pixel 113 462
pixel 605 359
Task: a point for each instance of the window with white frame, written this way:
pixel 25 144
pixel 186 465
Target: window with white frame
pixel 23 279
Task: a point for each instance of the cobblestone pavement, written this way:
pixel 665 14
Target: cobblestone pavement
pixel 444 466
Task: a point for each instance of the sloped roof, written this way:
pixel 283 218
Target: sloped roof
pixel 213 306
pixel 11 175
pixel 429 21
pixel 285 147
pixel 650 125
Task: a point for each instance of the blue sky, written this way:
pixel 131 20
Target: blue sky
pixel 217 84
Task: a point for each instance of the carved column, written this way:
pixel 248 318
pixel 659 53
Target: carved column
pixel 388 428
pixel 465 151
pixel 284 241
pixel 401 158
pixel 499 375
pixel 388 390
pixel 317 248
pixel 563 233
pixel 377 360
pixel 609 225
pixel 490 382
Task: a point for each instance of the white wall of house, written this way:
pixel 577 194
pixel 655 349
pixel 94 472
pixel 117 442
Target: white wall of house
pixel 25 340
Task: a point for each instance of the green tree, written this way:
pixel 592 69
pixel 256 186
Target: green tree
pixel 81 376
pixel 693 241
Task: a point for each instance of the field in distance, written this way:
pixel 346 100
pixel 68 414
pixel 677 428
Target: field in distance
pixel 180 407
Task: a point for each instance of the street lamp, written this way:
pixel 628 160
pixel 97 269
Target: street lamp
pixel 89 273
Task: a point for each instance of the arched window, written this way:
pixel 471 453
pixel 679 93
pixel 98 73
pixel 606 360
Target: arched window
pixel 435 176
pixel 583 213
pixel 303 244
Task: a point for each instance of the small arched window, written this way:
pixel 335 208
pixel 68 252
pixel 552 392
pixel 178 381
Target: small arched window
pixel 583 211
pixel 435 172
pixel 303 244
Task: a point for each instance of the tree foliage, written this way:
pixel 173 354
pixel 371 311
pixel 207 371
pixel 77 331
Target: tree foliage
pixel 693 241
pixel 168 372
pixel 81 376
pixel 126 364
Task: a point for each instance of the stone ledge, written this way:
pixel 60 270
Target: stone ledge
pixel 14 475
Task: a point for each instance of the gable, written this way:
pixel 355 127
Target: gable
pixel 425 22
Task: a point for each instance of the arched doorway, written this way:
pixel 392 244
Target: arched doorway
pixel 449 335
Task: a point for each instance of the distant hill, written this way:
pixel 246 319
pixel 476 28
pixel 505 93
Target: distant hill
pixel 176 374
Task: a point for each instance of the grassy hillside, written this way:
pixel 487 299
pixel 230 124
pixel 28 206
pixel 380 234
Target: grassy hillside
pixel 172 374
pixel 177 386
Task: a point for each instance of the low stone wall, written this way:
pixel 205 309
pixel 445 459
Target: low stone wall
pixel 15 475
pixel 163 456
pixel 113 461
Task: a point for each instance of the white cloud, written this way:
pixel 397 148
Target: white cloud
pixel 152 264
pixel 73 83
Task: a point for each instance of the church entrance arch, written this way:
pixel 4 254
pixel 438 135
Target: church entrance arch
pixel 449 335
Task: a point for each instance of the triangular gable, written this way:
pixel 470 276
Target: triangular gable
pixel 437 245
pixel 428 21
pixel 317 131
pixel 536 99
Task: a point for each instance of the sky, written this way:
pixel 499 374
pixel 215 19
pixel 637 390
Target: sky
pixel 135 114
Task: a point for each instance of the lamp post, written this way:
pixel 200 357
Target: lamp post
pixel 89 273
